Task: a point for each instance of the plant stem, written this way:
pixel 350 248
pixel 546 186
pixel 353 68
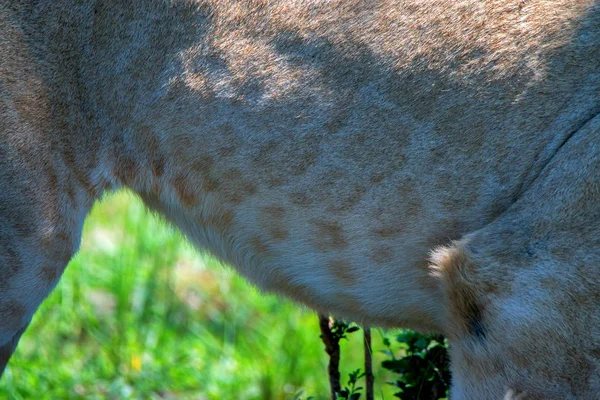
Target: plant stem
pixel 369 377
pixel 332 347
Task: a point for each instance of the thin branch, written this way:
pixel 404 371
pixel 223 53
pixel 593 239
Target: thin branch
pixel 332 347
pixel 369 377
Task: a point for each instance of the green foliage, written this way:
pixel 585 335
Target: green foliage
pixel 342 328
pixel 422 366
pixel 352 390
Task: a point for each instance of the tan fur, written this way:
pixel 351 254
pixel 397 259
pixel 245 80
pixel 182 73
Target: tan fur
pixel 325 149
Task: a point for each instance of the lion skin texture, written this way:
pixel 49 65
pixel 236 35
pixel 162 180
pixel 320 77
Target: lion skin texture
pixel 433 165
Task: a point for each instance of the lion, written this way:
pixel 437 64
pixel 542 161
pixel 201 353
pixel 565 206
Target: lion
pixel 432 165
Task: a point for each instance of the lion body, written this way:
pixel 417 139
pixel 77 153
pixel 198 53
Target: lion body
pixel 325 149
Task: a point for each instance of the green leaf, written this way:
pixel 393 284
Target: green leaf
pixel 398 366
pixel 421 343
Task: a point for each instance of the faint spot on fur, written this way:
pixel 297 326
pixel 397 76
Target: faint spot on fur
pixel 377 178
pixel 52 178
pixel 182 144
pixel 335 124
pixel 300 199
pixel 155 188
pixel 56 248
pixel 158 166
pixel 203 164
pixel 225 130
pixel 202 167
pixel 235 187
pixel 184 191
pixel 382 254
pixel 329 236
pixel 342 270
pixel 408 196
pixel 152 146
pixel 226 151
pixel 284 284
pixel 272 219
pixel 127 170
pixel 70 190
pixel 220 221
pixel 302 163
pixel 332 176
pixel 11 263
pixel 11 314
pixel 261 158
pixel 259 246
pixel 349 200
pixel 276 212
pixel 33 108
pixel 81 177
pixel 48 273
pixel 552 283
pixel 274 181
pixel 389 231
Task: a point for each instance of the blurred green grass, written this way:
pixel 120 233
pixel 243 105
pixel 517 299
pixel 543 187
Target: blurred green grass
pixel 140 314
